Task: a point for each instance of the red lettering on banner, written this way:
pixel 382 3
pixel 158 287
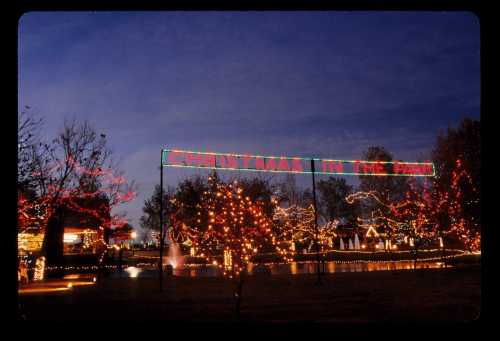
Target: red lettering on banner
pixel 365 168
pixel 324 165
pixel 396 168
pixel 401 168
pixel 171 159
pixel 209 160
pixel 246 161
pixel 332 167
pixel 192 157
pixel 297 165
pixel 372 168
pixel 283 165
pixel 423 170
pixel 379 168
pixel 356 166
pixel 271 165
pixel 259 163
pixel 339 167
pixel 229 161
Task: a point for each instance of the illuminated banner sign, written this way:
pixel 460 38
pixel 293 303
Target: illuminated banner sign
pixel 283 164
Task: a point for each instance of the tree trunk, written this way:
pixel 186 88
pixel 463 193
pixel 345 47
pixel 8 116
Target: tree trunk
pixel 106 234
pixel 443 254
pixel 416 257
pixel 237 294
pixel 120 259
pixel 52 246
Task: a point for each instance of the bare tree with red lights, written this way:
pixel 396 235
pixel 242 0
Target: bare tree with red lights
pixel 75 173
pixel 30 212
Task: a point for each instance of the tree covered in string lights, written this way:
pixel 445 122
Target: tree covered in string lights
pixel 416 214
pixel 383 215
pixel 292 226
pixel 74 175
pixel 230 228
pixel 457 184
pixel 456 209
pixel 31 212
pixel 327 234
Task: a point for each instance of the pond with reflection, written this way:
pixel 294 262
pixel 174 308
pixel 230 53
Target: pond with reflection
pixel 293 268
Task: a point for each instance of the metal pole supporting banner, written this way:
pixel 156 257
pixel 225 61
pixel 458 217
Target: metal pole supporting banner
pixel 315 221
pixel 161 222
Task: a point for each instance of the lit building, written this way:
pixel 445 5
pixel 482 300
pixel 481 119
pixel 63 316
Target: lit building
pixel 30 240
pixel 83 233
pixel 31 222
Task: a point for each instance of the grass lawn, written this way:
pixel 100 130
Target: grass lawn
pixel 427 295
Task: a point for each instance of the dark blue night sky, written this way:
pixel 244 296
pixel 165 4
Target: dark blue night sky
pixel 324 84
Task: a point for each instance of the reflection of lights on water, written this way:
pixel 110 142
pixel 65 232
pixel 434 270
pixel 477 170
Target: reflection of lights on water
pixel 132 271
pixel 41 290
pixel 55 285
pixel 72 276
pixel 196 270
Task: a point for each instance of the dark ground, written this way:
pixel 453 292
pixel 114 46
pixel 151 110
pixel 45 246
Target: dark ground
pixel 427 295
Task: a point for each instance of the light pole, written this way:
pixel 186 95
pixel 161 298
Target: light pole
pixel 161 222
pixel 315 221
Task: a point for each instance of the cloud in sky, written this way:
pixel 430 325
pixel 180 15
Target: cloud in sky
pixel 292 83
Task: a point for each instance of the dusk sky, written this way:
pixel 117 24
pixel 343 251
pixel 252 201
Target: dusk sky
pixel 323 84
